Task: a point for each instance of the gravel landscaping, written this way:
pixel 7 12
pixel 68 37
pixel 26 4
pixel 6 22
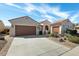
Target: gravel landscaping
pixel 2 44
pixel 65 42
pixel 5 44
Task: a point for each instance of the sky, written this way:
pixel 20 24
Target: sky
pixel 40 11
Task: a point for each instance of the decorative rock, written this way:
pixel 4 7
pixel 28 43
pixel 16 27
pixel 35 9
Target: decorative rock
pixel 61 40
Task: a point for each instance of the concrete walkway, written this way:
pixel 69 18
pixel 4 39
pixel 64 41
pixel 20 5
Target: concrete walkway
pixel 35 47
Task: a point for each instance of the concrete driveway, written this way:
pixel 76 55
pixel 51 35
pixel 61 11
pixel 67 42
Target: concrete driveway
pixel 35 47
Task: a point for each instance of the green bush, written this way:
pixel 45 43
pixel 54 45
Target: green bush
pixel 72 32
pixel 48 32
pixel 73 38
pixel 51 35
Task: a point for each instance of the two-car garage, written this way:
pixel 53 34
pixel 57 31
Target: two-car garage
pixel 23 26
pixel 25 30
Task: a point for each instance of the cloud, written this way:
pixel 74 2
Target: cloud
pixel 14 5
pixel 44 10
pixel 61 14
pixel 29 7
pixel 48 17
pixel 56 11
pixel 74 17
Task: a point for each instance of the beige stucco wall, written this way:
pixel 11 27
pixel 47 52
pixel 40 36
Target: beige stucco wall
pixel 60 30
pixel 51 30
pixel 37 30
pixel 24 22
pixel 77 30
pixel 46 23
pixel 48 27
pixel 2 27
pixel 12 31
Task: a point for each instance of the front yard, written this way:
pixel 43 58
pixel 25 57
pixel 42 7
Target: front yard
pixel 73 38
pixel 66 40
pixel 65 43
pixel 2 43
pixel 39 45
pixel 5 44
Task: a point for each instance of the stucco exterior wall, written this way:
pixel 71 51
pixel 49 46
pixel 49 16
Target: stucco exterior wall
pixel 37 30
pixel 46 23
pixel 66 26
pixel 60 30
pixel 24 21
pixel 51 30
pixel 48 27
pixel 77 30
pixel 12 31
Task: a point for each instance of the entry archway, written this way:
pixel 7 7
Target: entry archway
pixel 46 27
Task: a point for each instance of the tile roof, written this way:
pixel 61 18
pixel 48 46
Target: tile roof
pixel 23 17
pixel 60 22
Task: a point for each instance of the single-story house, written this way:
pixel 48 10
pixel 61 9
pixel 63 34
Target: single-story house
pixel 77 28
pixel 2 26
pixel 61 26
pixel 23 26
pixel 27 26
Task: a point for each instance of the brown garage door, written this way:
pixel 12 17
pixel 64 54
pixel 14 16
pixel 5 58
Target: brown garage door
pixel 25 30
pixel 56 29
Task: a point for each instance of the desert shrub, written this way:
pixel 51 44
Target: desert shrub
pixel 73 38
pixel 51 35
pixel 6 31
pixel 54 35
pixel 48 32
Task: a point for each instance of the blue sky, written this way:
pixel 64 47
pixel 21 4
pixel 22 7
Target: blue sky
pixel 39 11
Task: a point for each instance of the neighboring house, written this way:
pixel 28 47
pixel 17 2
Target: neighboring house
pixel 61 26
pixel 77 28
pixel 2 27
pixel 45 26
pixel 24 26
